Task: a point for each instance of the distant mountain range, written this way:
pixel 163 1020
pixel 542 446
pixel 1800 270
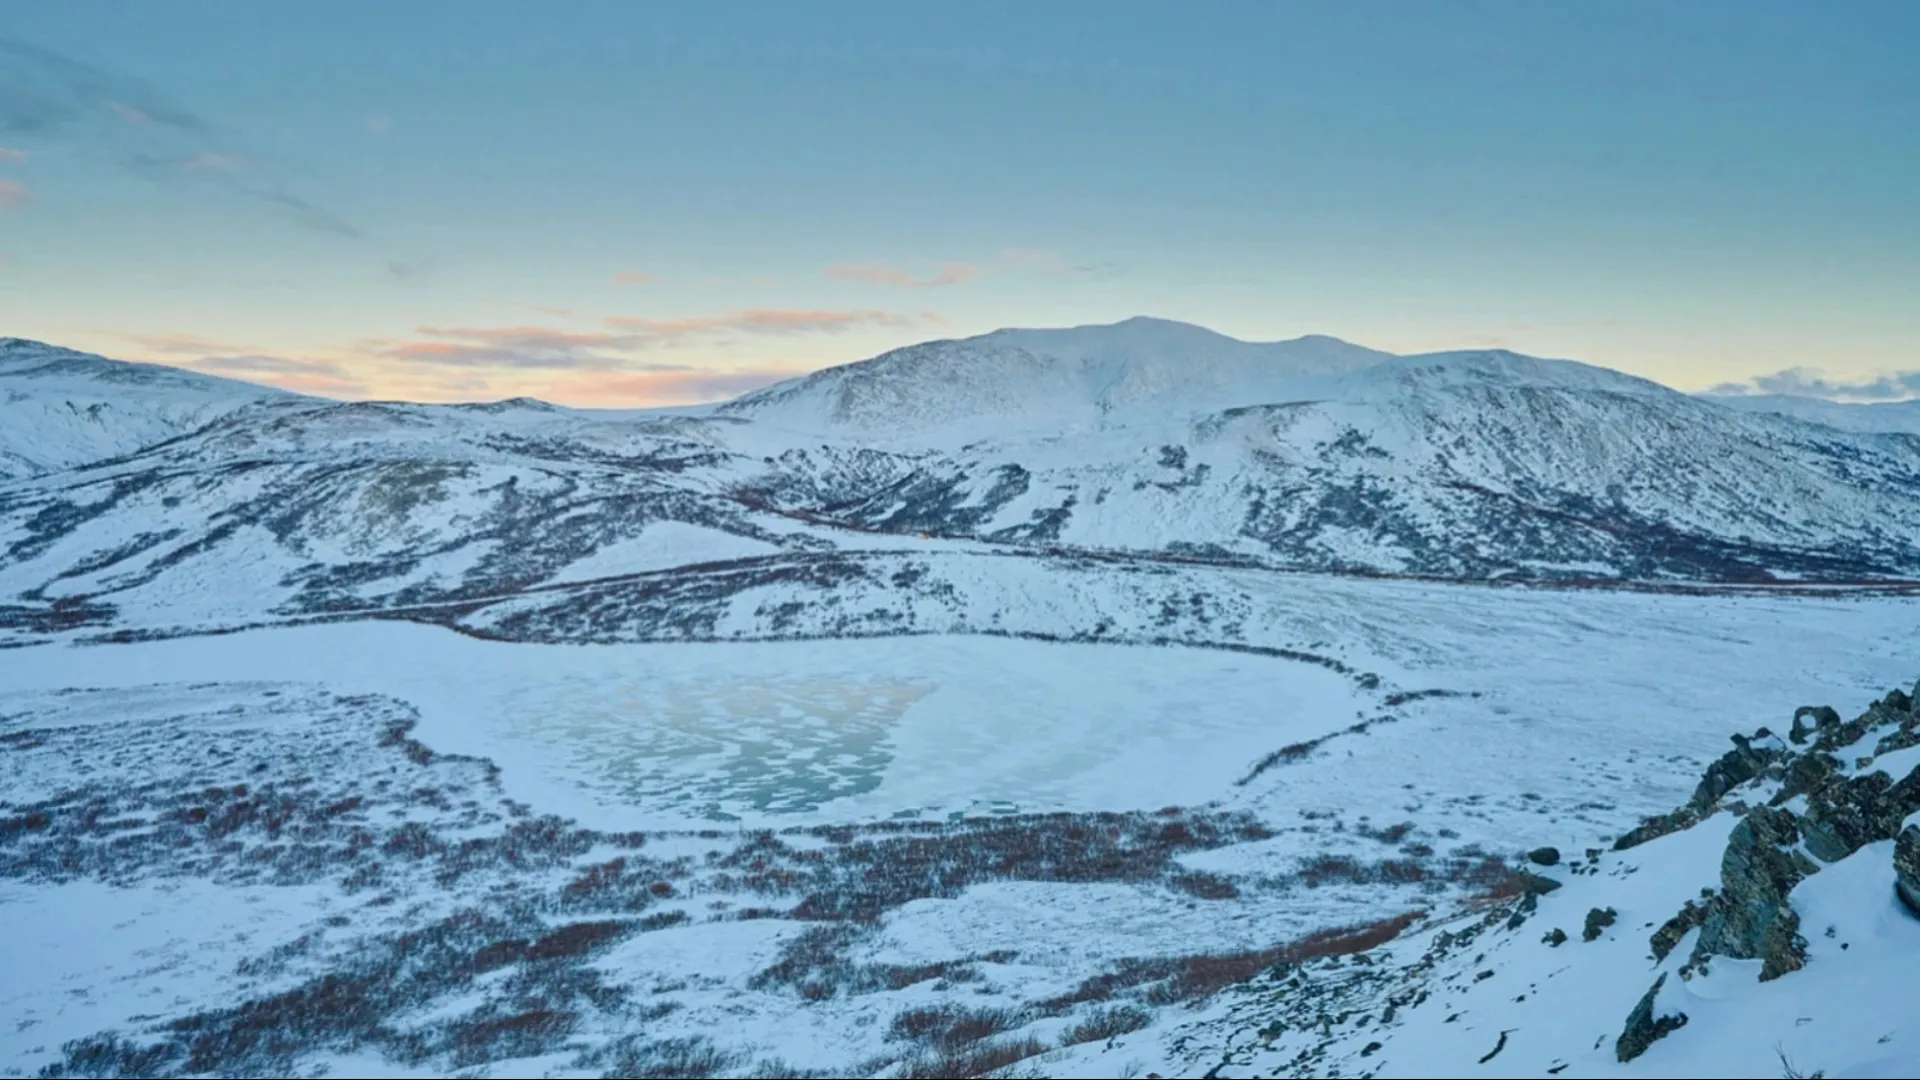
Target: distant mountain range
pixel 147 498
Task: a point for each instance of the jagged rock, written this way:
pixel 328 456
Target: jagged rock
pixel 1888 711
pixel 1555 937
pixel 1806 772
pixel 1537 885
pixel 1664 939
pixel 1544 856
pixel 1823 717
pixel 1656 827
pixel 1643 1028
pixel 1844 815
pixel 1906 868
pixel 1598 920
pixel 1737 766
pixel 1750 918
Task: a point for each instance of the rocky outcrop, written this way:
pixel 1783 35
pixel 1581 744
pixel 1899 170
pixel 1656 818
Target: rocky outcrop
pixel 1906 868
pixel 1828 802
pixel 1597 922
pixel 1737 766
pixel 1750 917
pixel 1843 815
pixel 1644 1028
pixel 1668 936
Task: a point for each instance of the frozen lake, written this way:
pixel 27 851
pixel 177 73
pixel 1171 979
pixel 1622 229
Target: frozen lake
pixel 672 735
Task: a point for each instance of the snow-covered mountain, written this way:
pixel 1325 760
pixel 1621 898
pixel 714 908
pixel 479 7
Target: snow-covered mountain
pixel 1865 416
pixel 1141 440
pixel 1050 382
pixel 1065 703
pixel 60 408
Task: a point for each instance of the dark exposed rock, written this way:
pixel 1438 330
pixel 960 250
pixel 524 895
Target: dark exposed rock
pixel 1643 1028
pixel 1823 717
pixel 1656 827
pixel 1737 766
pixel 1806 772
pixel 1751 918
pixel 1555 937
pixel 1544 856
pixel 1537 885
pixel 1598 919
pixel 1844 815
pixel 1670 932
pixel 1906 868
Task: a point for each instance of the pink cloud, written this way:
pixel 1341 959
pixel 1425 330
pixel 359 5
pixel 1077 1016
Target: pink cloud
pixel 184 343
pixel 633 277
pixel 512 347
pixel 13 194
pixel 875 274
pixel 8 153
pixel 762 321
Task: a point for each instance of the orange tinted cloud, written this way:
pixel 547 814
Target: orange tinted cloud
pixel 512 347
pixel 633 277
pixel 761 321
pixel 875 274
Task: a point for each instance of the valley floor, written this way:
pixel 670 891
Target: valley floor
pixel 385 848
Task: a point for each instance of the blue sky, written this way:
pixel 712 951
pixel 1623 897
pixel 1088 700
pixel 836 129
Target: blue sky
pixel 611 203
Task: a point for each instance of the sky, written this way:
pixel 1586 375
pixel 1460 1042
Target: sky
pixel 617 203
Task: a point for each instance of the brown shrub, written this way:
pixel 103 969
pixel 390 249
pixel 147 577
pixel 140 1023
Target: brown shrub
pixel 1103 1024
pixel 1189 978
pixel 973 1061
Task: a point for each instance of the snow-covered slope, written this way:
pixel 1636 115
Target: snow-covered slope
pixel 1871 416
pixel 1013 382
pixel 984 707
pixel 197 502
pixel 1767 927
pixel 60 408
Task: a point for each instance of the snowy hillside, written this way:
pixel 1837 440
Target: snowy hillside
pixel 60 408
pixel 1048 382
pixel 206 503
pixel 1109 701
pixel 1901 417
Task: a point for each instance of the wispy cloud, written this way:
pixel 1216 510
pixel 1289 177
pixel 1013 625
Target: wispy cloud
pixel 514 347
pixel 182 344
pixel 307 375
pixel 762 321
pixel 631 388
pixel 1052 263
pixel 880 274
pixel 8 153
pixel 634 277
pixel 45 95
pixel 1811 382
pixel 13 194
pixel 379 125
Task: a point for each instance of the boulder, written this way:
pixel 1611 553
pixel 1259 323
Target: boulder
pixel 1644 1028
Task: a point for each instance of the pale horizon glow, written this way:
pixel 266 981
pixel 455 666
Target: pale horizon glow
pixel 616 206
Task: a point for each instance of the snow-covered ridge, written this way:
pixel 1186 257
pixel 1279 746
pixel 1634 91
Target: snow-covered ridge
pixel 1767 927
pixel 60 408
pixel 206 502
